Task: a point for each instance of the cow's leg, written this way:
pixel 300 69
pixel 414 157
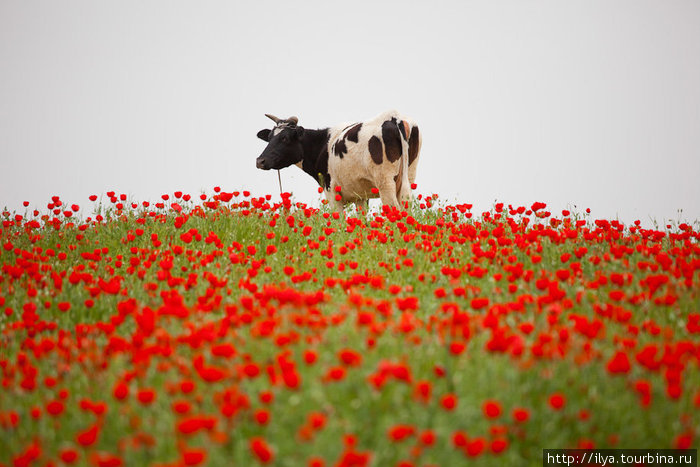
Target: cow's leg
pixel 414 146
pixel 406 195
pixel 334 204
pixel 362 206
pixel 387 191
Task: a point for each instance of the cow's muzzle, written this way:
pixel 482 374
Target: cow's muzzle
pixel 261 164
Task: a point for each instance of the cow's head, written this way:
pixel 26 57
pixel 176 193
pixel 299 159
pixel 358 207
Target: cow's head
pixel 284 146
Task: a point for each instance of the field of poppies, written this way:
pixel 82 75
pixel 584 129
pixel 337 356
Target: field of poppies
pixel 229 329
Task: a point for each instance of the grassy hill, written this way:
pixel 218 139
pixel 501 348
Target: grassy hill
pixel 232 329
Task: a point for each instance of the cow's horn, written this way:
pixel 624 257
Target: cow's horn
pixel 273 118
pixel 293 120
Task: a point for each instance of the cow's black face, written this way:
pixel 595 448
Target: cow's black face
pixel 284 147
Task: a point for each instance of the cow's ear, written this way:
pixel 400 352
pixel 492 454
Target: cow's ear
pixel 264 135
pixel 299 131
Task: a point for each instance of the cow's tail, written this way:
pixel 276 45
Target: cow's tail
pixel 402 179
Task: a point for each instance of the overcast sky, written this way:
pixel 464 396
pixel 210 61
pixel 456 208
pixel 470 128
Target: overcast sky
pixel 591 103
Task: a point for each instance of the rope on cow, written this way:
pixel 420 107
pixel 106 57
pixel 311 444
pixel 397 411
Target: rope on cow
pixel 279 179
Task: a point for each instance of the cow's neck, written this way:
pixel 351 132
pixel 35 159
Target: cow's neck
pixel 315 161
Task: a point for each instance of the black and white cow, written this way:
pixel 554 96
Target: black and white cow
pixel 380 153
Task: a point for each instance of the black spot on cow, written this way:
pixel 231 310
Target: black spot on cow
pixel 375 149
pixel 413 145
pixel 339 148
pixel 315 162
pixel 353 132
pixel 322 168
pixel 392 140
pixel 327 180
pixel 402 129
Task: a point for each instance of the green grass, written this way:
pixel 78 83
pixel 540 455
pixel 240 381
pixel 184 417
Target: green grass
pixel 247 299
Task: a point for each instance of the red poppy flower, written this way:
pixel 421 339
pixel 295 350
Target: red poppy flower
pixel 492 409
pixel 619 363
pixel 68 455
pixel 193 456
pixel 146 396
pixel 262 416
pixel 55 408
pixel 459 439
pixel 475 447
pixel 400 432
pixel 449 402
pixel 557 401
pixel 499 445
pixel 350 357
pixel 521 415
pixel 261 450
pixel 456 348
pixel 88 437
pixel 427 437
pixel 310 357
pixel 317 420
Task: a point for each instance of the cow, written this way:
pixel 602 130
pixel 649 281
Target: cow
pixel 370 159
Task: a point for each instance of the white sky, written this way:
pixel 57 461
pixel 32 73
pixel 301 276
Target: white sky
pixel 592 103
